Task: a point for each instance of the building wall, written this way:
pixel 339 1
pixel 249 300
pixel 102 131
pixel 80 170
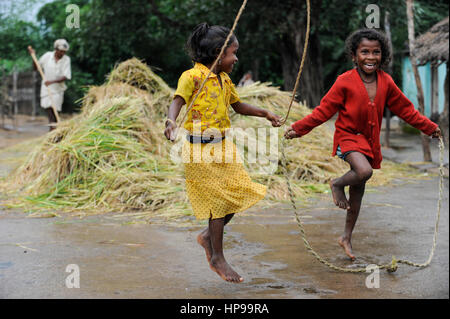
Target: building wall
pixel 409 87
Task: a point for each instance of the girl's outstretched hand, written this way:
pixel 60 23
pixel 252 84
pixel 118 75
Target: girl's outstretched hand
pixel 275 119
pixel 290 133
pixel 170 130
pixel 437 133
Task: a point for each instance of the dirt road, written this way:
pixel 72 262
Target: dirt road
pixel 119 259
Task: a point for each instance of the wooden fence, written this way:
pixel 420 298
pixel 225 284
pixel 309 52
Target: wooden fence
pixel 19 94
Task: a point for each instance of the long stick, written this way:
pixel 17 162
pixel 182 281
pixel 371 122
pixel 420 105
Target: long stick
pixel 38 66
pixel 387 30
pixel 412 57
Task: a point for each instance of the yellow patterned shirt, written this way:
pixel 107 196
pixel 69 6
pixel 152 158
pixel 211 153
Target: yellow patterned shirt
pixel 210 109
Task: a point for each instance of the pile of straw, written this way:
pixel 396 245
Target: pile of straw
pixel 113 156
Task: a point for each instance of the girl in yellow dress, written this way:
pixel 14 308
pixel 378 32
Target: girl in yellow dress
pixel 216 182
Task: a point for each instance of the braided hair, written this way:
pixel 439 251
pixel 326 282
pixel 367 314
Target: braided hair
pixel 205 42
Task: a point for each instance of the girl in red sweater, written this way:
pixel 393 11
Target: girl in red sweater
pixel 359 96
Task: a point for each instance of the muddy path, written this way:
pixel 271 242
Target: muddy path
pixel 120 258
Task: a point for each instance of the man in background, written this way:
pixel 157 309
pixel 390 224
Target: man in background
pixel 246 79
pixel 56 67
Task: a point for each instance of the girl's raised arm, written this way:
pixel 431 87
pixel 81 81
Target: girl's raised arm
pixel 247 109
pixel 329 105
pixel 401 106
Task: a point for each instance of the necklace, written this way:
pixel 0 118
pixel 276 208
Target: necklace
pixel 367 82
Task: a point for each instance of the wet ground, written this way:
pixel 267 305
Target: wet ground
pixel 118 259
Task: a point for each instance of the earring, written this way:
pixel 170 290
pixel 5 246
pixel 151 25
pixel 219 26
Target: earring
pixel 220 61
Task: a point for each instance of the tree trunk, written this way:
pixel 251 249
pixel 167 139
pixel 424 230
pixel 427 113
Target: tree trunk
pixel 387 29
pixel 255 69
pixel 410 17
pixel 291 47
pixel 443 119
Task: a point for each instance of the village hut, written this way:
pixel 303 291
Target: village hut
pixel 432 47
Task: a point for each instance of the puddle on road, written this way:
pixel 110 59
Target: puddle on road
pixel 5 265
pixel 161 261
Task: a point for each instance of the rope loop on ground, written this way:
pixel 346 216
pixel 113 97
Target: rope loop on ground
pixel 393 265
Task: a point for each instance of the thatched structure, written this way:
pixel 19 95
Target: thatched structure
pixel 432 46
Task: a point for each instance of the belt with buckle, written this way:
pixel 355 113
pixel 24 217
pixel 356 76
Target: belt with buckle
pixel 199 139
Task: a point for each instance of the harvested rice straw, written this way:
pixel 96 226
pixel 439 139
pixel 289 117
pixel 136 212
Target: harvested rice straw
pixel 135 73
pixel 113 156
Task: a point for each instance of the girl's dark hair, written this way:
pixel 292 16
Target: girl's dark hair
pixel 356 37
pixel 205 42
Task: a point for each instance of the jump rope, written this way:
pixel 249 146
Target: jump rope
pixel 393 265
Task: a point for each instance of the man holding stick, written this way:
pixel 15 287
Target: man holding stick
pixel 54 67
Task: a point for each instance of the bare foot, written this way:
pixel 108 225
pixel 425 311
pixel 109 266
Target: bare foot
pixel 221 267
pixel 347 245
pixel 339 198
pixel 204 241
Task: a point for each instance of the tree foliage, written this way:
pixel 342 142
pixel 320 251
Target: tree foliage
pixel 156 31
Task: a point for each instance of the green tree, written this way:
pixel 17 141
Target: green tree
pixel 15 36
pixel 271 36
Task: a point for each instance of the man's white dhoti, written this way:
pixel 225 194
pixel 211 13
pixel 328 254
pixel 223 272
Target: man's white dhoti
pixel 57 98
pixel 53 70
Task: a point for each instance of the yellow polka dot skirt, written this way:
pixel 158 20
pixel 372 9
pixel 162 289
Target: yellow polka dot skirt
pixel 217 183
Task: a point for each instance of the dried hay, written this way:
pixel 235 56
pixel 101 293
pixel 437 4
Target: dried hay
pixel 136 73
pixel 113 156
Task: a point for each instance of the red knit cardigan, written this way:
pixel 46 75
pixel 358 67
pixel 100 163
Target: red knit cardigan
pixel 359 120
